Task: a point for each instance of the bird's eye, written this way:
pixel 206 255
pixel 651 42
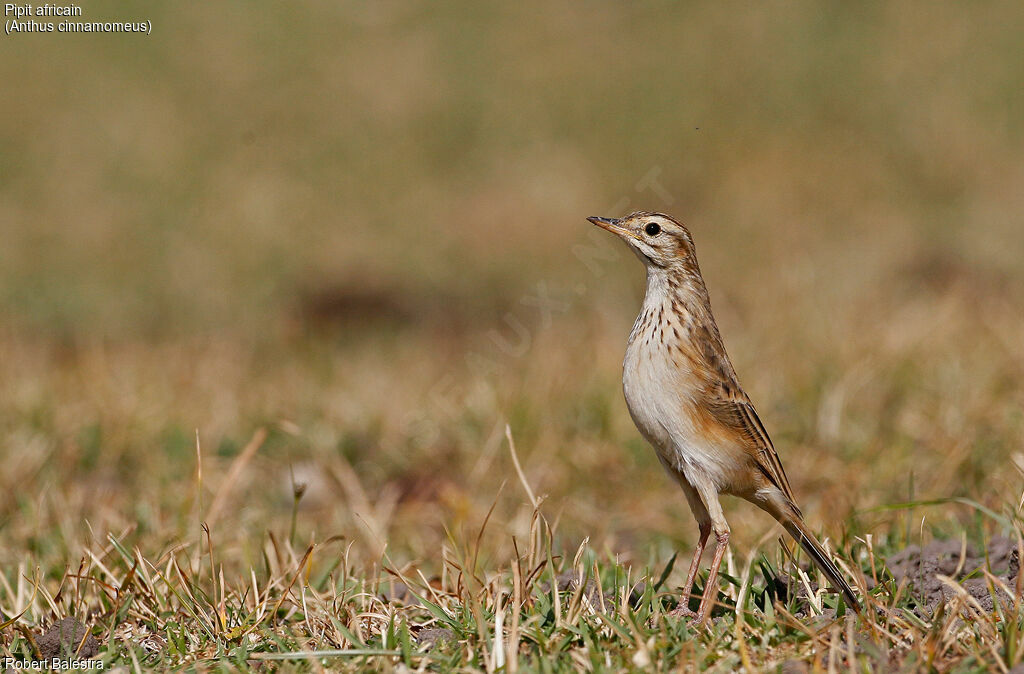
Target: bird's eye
pixel 652 229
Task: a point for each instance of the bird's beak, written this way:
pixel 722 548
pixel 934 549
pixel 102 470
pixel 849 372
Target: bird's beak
pixel 612 225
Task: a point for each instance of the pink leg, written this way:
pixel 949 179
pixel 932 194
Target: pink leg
pixel 711 588
pixel 684 603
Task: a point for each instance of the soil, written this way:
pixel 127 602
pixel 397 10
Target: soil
pixel 434 636
pixel 64 639
pixel 568 583
pixel 920 567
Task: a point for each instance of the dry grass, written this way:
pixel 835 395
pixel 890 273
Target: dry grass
pixel 359 232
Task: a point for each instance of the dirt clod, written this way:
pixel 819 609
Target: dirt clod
pixel 434 636
pixel 399 593
pixel 794 667
pixel 568 582
pixel 921 567
pixel 67 638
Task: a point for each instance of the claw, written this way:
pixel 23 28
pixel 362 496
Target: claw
pixel 693 618
pixel 682 612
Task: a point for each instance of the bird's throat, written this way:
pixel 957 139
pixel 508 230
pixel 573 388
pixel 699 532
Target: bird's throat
pixel 668 311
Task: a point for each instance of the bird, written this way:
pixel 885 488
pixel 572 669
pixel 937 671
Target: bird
pixel 685 399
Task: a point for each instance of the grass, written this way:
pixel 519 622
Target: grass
pixel 312 606
pixel 273 282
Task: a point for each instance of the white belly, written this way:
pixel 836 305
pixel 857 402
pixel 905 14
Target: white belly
pixel 659 393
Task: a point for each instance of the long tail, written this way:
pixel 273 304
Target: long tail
pixel 798 530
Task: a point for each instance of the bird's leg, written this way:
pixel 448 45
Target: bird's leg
pixel 711 587
pixel 684 604
pixel 708 493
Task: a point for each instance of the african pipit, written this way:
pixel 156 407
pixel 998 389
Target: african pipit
pixel 684 397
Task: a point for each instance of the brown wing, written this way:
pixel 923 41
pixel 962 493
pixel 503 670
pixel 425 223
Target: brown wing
pixel 730 407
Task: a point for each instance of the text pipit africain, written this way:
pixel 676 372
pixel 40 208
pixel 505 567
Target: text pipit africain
pixel 684 397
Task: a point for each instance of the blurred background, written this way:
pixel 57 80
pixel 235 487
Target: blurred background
pixel 361 226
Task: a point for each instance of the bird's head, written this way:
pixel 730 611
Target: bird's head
pixel 657 239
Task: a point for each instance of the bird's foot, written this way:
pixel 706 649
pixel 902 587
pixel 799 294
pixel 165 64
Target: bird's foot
pixel 682 611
